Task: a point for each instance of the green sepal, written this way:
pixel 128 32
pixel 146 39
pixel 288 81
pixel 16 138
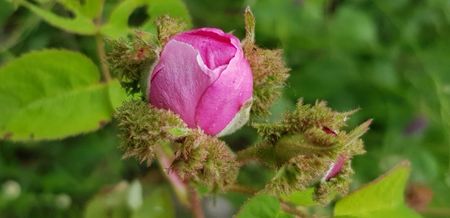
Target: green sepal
pixel 268 67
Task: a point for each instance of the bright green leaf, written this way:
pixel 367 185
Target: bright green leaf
pixel 303 198
pixel 80 24
pixel 384 197
pixel 92 8
pixel 173 8
pixel 117 25
pixel 72 5
pixel 156 205
pixel 262 206
pixel 53 94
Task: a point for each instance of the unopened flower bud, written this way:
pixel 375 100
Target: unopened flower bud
pixel 203 76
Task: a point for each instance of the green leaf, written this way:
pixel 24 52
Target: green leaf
pixel 92 8
pixel 384 197
pixel 53 94
pixel 262 206
pixel 80 24
pixel 174 8
pixel 303 198
pixel 117 25
pixel 156 205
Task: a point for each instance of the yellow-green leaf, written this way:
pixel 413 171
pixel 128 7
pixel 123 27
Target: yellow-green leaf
pixel 384 197
pixel 79 24
pixel 52 94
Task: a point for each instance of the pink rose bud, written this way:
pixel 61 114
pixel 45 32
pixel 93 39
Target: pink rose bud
pixel 335 168
pixel 203 76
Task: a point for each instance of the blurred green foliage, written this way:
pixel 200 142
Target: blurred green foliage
pixel 389 58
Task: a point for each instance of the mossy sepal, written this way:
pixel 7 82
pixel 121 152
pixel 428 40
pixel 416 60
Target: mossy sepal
pixel 195 156
pixel 268 67
pixel 305 149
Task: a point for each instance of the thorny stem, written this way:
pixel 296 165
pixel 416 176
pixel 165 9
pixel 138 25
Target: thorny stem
pixel 196 204
pixel 175 181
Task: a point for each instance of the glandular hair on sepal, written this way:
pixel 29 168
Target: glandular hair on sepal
pixel 130 59
pixel 167 27
pixel 206 160
pixel 142 127
pixel 269 69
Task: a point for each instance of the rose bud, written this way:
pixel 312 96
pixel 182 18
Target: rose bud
pixel 203 76
pixel 335 168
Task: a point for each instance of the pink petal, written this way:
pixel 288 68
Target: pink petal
pixel 226 96
pixel 178 80
pixel 213 44
pixel 335 168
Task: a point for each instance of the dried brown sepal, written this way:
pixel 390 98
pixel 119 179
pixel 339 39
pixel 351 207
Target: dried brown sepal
pixel 130 59
pixel 142 127
pixel 269 70
pixel 206 160
pixel 168 27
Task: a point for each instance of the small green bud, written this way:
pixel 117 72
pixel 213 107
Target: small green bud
pixel 308 148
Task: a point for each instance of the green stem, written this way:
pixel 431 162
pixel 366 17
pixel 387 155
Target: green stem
pixel 101 47
pixel 102 57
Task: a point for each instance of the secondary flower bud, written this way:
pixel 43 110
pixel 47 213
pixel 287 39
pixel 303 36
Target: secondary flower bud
pixel 203 76
pixel 335 168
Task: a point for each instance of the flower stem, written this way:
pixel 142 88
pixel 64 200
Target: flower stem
pixel 196 204
pixel 175 181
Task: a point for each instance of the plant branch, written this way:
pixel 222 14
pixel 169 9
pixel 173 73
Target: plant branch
pixel 101 47
pixel 102 57
pixel 175 181
pixel 196 204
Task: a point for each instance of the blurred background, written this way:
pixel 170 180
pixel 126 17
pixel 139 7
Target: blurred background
pixel 390 58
